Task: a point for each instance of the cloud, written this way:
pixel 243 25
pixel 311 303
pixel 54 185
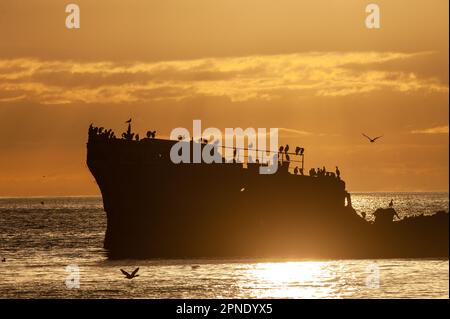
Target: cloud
pixel 433 130
pixel 236 78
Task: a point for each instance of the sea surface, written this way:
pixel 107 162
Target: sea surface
pixel 53 249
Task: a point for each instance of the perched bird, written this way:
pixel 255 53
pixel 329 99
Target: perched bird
pixel 297 150
pixel 391 204
pixel 132 275
pixel 286 149
pixel 151 134
pixel 129 121
pixel 371 140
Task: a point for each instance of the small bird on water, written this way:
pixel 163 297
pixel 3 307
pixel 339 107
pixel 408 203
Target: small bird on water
pixel 371 140
pixel 3 260
pixel 132 275
pixel 195 266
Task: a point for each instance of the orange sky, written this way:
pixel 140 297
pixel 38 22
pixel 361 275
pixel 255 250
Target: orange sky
pixel 310 67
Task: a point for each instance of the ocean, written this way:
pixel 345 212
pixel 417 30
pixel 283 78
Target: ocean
pixel 53 249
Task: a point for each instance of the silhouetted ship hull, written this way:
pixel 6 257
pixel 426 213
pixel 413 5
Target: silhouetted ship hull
pixel 157 209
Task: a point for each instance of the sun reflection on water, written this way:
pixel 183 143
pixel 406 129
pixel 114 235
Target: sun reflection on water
pixel 310 279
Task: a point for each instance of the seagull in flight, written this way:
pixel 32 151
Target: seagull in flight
pixel 372 140
pixel 132 275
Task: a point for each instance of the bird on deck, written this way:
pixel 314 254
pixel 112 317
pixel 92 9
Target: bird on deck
pixel 151 134
pixel 280 151
pixel 372 140
pixel 132 275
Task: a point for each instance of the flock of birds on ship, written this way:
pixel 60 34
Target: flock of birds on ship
pixel 152 134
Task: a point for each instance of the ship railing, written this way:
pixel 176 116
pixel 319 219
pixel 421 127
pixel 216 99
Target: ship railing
pixel 283 159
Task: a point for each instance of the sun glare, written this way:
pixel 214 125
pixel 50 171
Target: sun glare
pixel 291 279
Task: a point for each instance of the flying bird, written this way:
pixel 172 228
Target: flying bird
pixel 371 140
pixel 132 275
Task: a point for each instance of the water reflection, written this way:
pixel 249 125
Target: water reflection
pixel 291 279
pixel 227 279
pixel 39 242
